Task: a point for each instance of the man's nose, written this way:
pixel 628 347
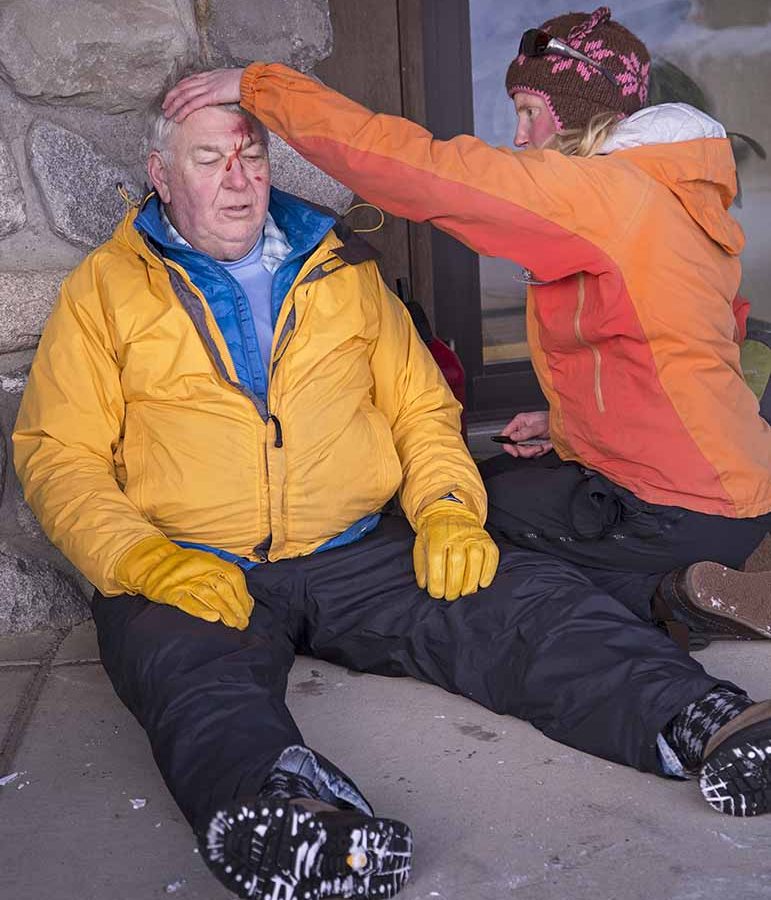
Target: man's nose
pixel 235 177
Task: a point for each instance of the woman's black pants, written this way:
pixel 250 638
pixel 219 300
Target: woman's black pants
pixel 621 543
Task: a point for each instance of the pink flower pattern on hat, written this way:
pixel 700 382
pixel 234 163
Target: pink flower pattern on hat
pixel 593 49
pixel 635 79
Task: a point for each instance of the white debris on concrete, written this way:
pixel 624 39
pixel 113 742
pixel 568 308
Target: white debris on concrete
pixel 139 803
pixel 9 779
pixel 732 841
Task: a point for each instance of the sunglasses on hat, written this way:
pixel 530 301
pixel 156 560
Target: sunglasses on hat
pixel 536 42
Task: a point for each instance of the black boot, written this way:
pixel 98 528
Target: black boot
pixel 735 777
pixel 279 849
pixel 306 837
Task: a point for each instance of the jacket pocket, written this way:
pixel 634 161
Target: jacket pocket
pixel 134 456
pixel 387 468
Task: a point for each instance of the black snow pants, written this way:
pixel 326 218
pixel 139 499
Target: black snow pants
pixel 542 643
pixel 623 544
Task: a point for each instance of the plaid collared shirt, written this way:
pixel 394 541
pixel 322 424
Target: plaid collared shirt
pixel 275 246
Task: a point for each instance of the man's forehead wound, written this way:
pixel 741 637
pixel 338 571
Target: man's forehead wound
pixel 244 142
pixel 242 128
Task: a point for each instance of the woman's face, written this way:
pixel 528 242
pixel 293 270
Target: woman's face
pixel 536 123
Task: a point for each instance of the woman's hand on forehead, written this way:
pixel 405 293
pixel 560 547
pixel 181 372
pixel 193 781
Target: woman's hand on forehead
pixel 211 88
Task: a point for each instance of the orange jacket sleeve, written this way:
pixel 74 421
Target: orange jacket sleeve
pixel 500 202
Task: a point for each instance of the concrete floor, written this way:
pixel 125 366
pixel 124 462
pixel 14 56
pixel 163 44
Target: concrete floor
pixel 498 810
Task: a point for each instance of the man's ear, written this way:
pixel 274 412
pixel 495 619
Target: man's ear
pixel 158 172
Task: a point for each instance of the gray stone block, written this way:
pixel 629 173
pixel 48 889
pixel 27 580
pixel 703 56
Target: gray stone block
pixel 39 588
pixel 28 535
pixel 78 184
pixel 20 531
pixel 296 32
pixel 11 388
pixel 3 463
pixel 28 525
pixel 14 382
pixel 13 214
pixel 290 172
pixel 104 54
pixel 26 299
pixel 35 594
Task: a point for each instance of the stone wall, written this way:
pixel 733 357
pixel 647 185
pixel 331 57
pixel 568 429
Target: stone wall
pixel 76 81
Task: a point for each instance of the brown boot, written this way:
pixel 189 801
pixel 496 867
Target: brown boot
pixel 735 777
pixel 712 598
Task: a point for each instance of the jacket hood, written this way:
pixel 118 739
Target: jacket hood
pixel 688 152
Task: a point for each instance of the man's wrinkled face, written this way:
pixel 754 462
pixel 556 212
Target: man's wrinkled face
pixel 214 181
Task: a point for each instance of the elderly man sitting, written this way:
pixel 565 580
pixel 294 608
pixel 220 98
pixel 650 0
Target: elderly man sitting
pixel 224 399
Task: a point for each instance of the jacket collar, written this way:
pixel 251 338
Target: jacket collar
pixel 303 224
pixel 664 123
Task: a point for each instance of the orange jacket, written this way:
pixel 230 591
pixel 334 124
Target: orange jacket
pixel 632 335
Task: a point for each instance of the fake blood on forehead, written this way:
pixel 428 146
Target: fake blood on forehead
pixel 240 133
pixel 236 152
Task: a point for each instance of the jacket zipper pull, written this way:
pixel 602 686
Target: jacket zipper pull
pixel 279 442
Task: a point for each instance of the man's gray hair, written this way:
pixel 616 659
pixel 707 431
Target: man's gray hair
pixel 161 129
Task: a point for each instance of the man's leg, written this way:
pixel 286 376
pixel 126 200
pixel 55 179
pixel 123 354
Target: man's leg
pixel 542 643
pixel 210 698
pixel 272 816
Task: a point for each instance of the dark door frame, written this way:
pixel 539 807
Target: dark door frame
pixel 504 388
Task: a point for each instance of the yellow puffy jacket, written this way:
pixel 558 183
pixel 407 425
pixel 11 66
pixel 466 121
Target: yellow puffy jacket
pixel 134 424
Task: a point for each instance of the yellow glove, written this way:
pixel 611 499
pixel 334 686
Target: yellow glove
pixel 199 583
pixel 453 554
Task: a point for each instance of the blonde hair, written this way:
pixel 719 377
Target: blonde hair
pixel 585 141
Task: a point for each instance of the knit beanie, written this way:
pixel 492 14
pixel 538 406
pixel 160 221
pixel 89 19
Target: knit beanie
pixel 575 91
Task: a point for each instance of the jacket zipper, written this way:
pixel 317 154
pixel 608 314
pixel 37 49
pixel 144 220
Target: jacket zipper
pixel 280 350
pixel 595 350
pixel 278 443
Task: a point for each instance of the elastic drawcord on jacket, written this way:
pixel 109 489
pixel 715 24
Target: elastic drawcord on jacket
pixel 279 442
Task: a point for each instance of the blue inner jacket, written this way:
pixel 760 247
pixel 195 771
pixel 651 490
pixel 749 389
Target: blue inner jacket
pixel 304 228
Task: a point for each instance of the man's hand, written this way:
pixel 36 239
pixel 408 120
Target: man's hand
pixel 203 89
pixel 453 555
pixel 525 426
pixel 199 583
